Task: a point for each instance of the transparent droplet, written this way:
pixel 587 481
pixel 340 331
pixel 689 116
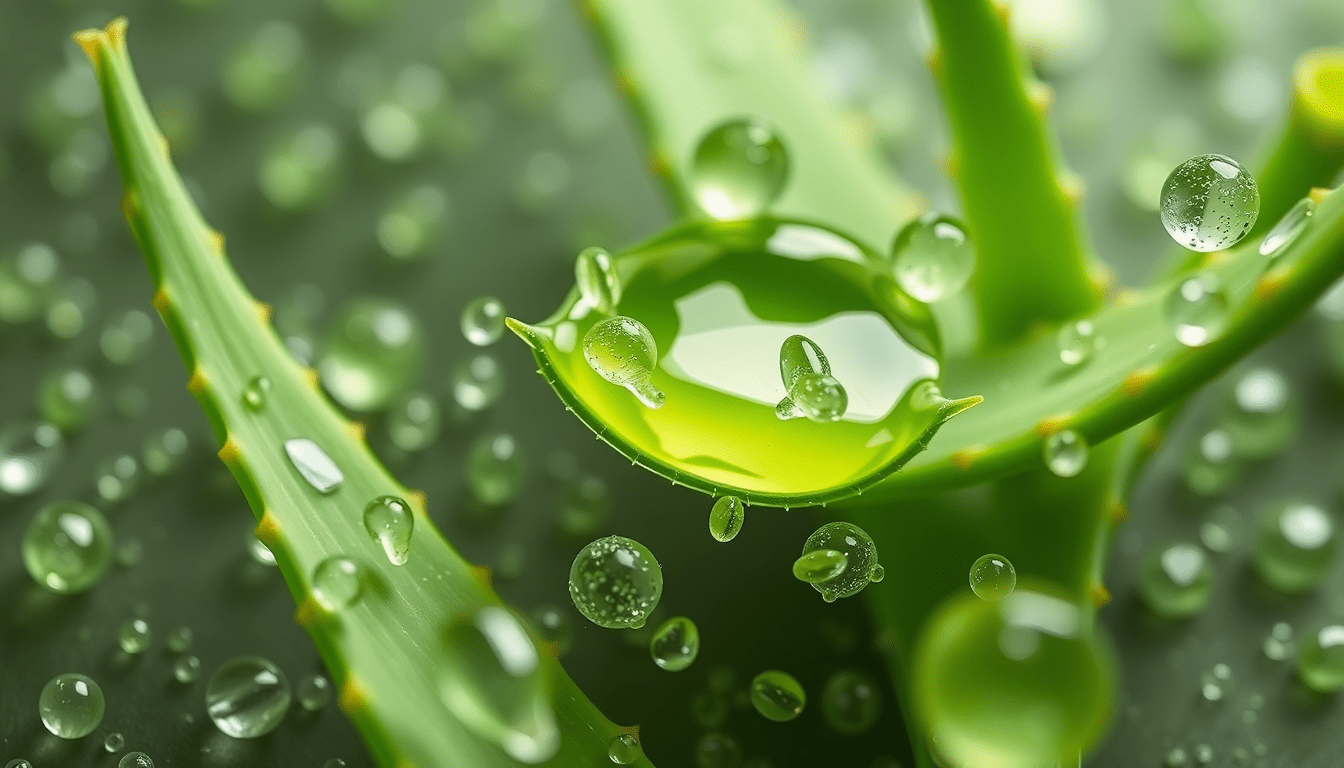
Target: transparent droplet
pixel 314 464
pixel 860 554
pixel 265 67
pixel 478 382
pixel 1077 341
pixel 18 762
pixel 67 546
pixel 337 582
pixel 1320 658
pixel 819 566
pixel 993 577
pixel 114 742
pixel 71 706
pixel 1287 230
pixel 247 697
pixel 1278 644
pixel 675 644
pixel 616 582
pixel 313 692
pixel 624 749
pixel 164 451
pixel 932 257
pixel 1259 415
pixel 410 225
pixel 1198 310
pixel 718 750
pixel 390 522
pixel 851 702
pixel 135 636
pixel 585 506
pixel 29 453
pixel 622 351
pixel 1066 453
pixel 117 478
pixel 1176 758
pixel 726 518
pixel 739 170
pixel 1211 466
pixel 777 695
pixel 819 397
pixel 1296 546
pixel 483 320
pixel 799 358
pixel 597 281
pixel 125 340
pixel 1176 581
pixel 256 392
pixel 259 552
pixel 1223 530
pixel 1209 202
pixel 300 169
pixel 414 422
pixel 135 760
pixel 554 626
pixel 372 353
pixel 67 398
pixel 187 669
pixel 492 679
pixel 494 469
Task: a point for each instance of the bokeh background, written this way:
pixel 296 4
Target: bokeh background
pixel 434 152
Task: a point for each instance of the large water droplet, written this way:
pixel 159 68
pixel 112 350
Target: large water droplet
pixel 817 396
pixel 1296 546
pixel 495 469
pixel 624 749
pixel 932 257
pixel 483 320
pixel 337 582
pixel 993 577
pixel 1320 658
pixel 1077 341
pixel 777 695
pixel 1198 310
pixel 492 679
pixel 1066 453
pixel 29 452
pixel 1209 202
pixel 389 520
pixel 622 351
pixel 739 170
pixel 71 706
pixel 726 518
pixel 67 546
pixel 478 382
pixel 135 636
pixel 314 464
pixel 675 644
pixel 247 697
pixel 819 566
pixel 860 554
pixel 616 582
pixel 1176 581
pixel 1287 229
pixel 373 352
pixel 597 281
pixel 851 702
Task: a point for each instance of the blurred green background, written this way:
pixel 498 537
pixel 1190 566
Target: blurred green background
pixel 435 152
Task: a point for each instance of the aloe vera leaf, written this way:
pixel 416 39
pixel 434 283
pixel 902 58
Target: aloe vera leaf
pixel 689 65
pixel 383 650
pixel 1023 216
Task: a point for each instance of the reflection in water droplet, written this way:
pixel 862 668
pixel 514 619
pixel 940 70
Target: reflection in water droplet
pixel 337 583
pixel 624 749
pixel 597 281
pixel 483 320
pixel 1198 310
pixel 255 392
pixel 1296 547
pixel 1209 202
pixel 390 523
pixel 71 706
pixel 1176 581
pixel 1077 341
pixel 373 352
pixel 478 382
pixel 675 644
pixel 993 577
pixel 135 636
pixel 1320 658
pixel 314 464
pixel 67 546
pixel 622 351
pixel 726 518
pixel 819 566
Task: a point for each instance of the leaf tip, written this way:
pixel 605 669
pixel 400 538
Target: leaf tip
pixel 92 40
pixel 524 331
pixel 952 408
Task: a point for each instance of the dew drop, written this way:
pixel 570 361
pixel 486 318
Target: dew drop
pixel 860 554
pixel 478 382
pixel 597 281
pixel 1209 202
pixel 1258 414
pixel 1320 658
pixel 622 351
pixel 255 393
pixel 126 340
pixel 616 582
pixel 851 702
pixel 819 397
pixel 67 398
pixel 1287 230
pixel 726 518
pixel 584 506
pixel 777 695
pixel 554 626
pixel 247 697
pixel 1077 340
pixel 67 546
pixel 114 742
pixel 675 644
pixel 300 170
pixel 390 523
pixel 164 451
pixel 932 257
pixel 1296 547
pixel 337 582
pixel 117 478
pixel 718 750
pixel 135 760
pixel 993 577
pixel 1176 581
pixel 187 669
pixel 259 552
pixel 313 692
pixel 1197 310
pixel 1211 466
pixel 373 352
pixel 414 422
pixel 624 749
pixel 1278 644
pixel 71 706
pixel 819 566
pixel 483 320
pixel 29 454
pixel 709 709
pixel 495 469
pixel 135 636
pixel 314 464
pixel 1065 453
pixel 739 170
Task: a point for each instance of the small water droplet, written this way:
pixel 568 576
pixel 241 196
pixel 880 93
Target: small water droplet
pixel 993 577
pixel 1259 414
pixel 135 636
pixel 1296 547
pixel 247 697
pixel 29 453
pixel 478 382
pixel 624 749
pixel 584 506
pixel 390 522
pixel 554 626
pixel 494 469
pixel 777 695
pixel 675 644
pixel 932 257
pixel 125 340
pixel 483 320
pixel 1198 310
pixel 726 518
pixel 67 398
pixel 71 706
pixel 851 702
pixel 186 669
pixel 597 281
pixel 313 692
pixel 337 582
pixel 164 451
pixel 616 582
pixel 860 555
pixel 819 566
pixel 1287 230
pixel 414 422
pixel 301 168
pixel 314 464
pixel 256 392
pixel 1066 453
pixel 114 742
pixel 1176 758
pixel 1078 340
pixel 1209 202
pixel 259 552
pixel 739 170
pixel 1278 644
pixel 67 546
pixel 622 351
pixel 116 478
pixel 1176 581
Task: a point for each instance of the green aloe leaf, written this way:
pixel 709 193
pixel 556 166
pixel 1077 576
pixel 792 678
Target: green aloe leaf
pixel 720 299
pixel 387 650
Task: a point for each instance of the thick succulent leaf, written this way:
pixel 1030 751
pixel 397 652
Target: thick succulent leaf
pixel 385 649
pixel 720 299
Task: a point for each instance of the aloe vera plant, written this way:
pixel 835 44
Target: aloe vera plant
pixel 935 481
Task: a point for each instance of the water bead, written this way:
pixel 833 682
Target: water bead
pixel 1278 644
pixel 1287 229
pixel 247 697
pixel 709 709
pixel 313 692
pixel 1258 414
pixel 492 679
pixel 259 552
pixel 993 577
pixel 1077 340
pixel 263 69
pixel 624 749
pixel 114 742
pixel 67 398
pixel 777 695
pixel 1296 546
pixel 410 224
pixel 373 352
pixel 477 382
pixel 67 546
pixel 675 644
pixel 1065 453
pixel 494 469
pixel 135 760
pixel 117 478
pixel 1211 466
pixel 554 626
pixel 1176 581
pixel 314 465
pixel 483 320
pixel 597 281
pixel 390 523
pixel 414 422
pixel 71 706
pixel 622 351
pixel 18 763
pixel 126 339
pixel 851 702
pixel 1320 659
pixel 819 397
pixel 1198 310
pixel 616 582
pixel 135 636
pixel 164 451
pixel 29 454
pixel 820 566
pixel 932 257
pixel 187 669
pixel 584 506
pixel 718 750
pixel 726 518
pixel 300 169
pixel 1209 202
pixel 860 553
pixel 799 356
pixel 255 393
pixel 337 583
pixel 739 169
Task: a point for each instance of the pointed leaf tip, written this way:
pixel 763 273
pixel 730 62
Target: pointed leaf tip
pixel 524 331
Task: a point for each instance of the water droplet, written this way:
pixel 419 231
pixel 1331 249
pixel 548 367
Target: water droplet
pixel 411 223
pixel 597 281
pixel 114 742
pixel 413 422
pixel 1214 683
pixel 1203 754
pixel 494 469
pixel 256 392
pixel 135 760
pixel 314 464
pixel 1287 230
pixel 1176 581
pixel 1296 546
pixel 1209 202
pixel 993 577
pixel 29 453
pixel 265 67
pixel 67 398
pixel 483 320
pixel 135 636
pixel 373 352
pixel 1066 453
pixel 1077 341
pixel 390 522
pixel 18 763
pixel 622 351
pixel 554 626
pixel 67 546
pixel 301 168
pixel 1211 466
pixel 337 582
pixel 860 553
pixel 126 340
pixel 718 750
pixel 259 552
pixel 726 518
pixel 1259 414
pixel 334 762
pixel 932 257
pixel 1198 310
pixel 709 709
pixel 117 478
pixel 675 644
pixel 584 507
pixel 1320 658
pixel 616 582
pixel 71 706
pixel 1176 758
pixel 851 702
pixel 187 669
pixel 313 692
pixel 492 679
pixel 820 566
pixel 624 749
pixel 1278 644
pixel 478 382
pixel 739 170
pixel 777 695
pixel 164 451
pixel 819 397
pixel 247 697
pixel 1223 531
